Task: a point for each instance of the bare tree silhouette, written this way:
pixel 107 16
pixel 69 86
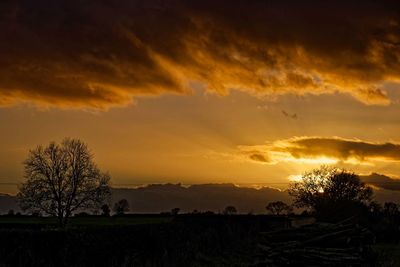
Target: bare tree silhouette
pixel 121 207
pixel 278 208
pixel 62 178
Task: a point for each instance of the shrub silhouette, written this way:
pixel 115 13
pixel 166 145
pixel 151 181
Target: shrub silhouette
pixel 331 193
pixel 230 210
pixel 105 210
pixel 391 209
pixel 175 211
pixel 278 208
pixel 121 207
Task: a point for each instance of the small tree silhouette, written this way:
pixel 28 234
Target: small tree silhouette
pixel 391 209
pixel 175 211
pixel 230 210
pixel 121 207
pixel 278 208
pixel 105 209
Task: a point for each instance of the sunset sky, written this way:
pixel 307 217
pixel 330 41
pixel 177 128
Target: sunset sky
pixel 245 92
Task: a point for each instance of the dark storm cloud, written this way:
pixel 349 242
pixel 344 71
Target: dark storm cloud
pixel 103 53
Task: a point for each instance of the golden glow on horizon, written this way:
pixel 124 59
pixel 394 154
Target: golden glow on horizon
pixel 295 178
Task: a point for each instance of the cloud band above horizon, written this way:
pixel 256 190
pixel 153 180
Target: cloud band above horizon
pixel 100 54
pixel 323 150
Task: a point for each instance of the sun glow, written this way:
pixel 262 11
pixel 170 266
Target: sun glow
pixel 319 160
pixel 295 178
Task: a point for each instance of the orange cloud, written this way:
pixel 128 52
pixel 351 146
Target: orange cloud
pixel 103 54
pixel 325 150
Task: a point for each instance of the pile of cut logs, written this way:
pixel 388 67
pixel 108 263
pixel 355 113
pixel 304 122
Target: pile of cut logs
pixel 320 244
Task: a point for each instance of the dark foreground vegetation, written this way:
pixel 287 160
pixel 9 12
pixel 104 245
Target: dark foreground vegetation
pixel 198 240
pixel 140 240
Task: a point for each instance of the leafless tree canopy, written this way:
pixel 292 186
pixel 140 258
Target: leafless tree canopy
pixel 278 208
pixel 62 178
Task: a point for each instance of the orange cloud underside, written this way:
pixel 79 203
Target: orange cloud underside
pixel 100 55
pixel 323 150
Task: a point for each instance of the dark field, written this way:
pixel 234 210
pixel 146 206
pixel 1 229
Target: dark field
pixel 188 240
pixel 141 240
pixel 88 221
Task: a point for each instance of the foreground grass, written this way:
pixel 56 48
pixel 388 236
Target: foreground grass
pixel 21 221
pixel 138 240
pixel 388 254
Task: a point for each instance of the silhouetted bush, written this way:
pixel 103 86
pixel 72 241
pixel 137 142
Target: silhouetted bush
pixel 121 207
pixel 175 211
pixel 278 208
pixel 332 194
pixel 105 210
pixel 230 210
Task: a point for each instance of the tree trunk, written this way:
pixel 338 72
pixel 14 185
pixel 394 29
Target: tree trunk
pixel 66 217
pixel 61 221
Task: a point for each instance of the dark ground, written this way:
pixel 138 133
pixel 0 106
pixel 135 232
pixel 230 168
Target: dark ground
pixel 158 240
pixel 131 241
